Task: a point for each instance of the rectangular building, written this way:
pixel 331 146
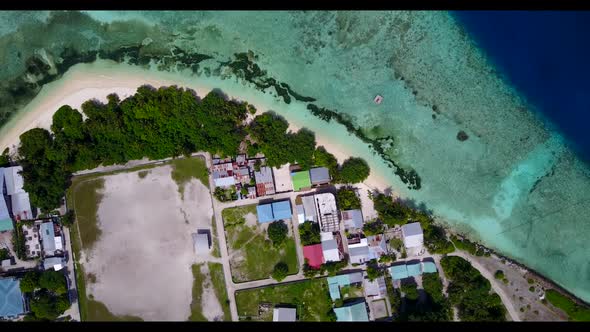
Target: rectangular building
pixel 223 174
pixel 301 180
pixel 352 219
pixel 264 181
pixel 412 235
pixel 50 241
pixel 319 176
pixel 326 211
pixel 282 177
pixel 12 303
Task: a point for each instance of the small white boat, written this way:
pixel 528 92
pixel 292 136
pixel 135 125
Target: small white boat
pixel 378 99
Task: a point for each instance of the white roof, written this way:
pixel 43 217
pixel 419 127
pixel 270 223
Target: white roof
pixel 309 208
pixel 14 181
pixel 300 213
pixel 412 234
pixel 57 263
pixel 58 243
pixel 201 242
pixel 21 206
pixel 363 243
pixel 330 250
pixel 284 314
pixel 224 182
pixel 283 181
pixel 326 236
pixel 47 234
pixel 326 203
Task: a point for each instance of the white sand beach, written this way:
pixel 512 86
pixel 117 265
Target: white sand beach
pixel 87 81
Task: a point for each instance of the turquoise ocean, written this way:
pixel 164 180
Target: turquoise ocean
pixel 513 184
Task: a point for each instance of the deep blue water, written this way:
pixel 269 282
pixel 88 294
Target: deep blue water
pixel 546 56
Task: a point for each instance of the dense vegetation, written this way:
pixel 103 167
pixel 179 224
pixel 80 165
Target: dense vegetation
pixel 394 212
pixel 277 232
pixel 347 199
pixel 434 306
pixel 469 291
pixel 152 123
pixel 47 292
pixel 353 170
pixel 470 247
pixel 309 232
pixel 158 123
pixel 575 311
pixel 280 271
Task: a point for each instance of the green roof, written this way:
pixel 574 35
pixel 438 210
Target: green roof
pixel 6 225
pixel 301 180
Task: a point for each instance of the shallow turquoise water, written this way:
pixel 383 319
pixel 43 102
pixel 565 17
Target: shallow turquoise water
pixel 513 184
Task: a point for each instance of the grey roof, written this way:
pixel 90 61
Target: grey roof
pixel 411 229
pixel 14 180
pixel 358 254
pixel 284 315
pixel 329 244
pixel 201 242
pixel 319 175
pixel 47 236
pixel 376 287
pixel 352 218
pixel 48 263
pixel 21 206
pixel 309 208
pixel 355 277
pixel 264 176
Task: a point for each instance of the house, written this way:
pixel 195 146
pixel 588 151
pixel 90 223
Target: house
pixel 359 252
pixel 21 206
pixel 56 263
pixel 342 280
pixel 330 247
pixel 309 208
pixel 301 180
pixel 5 220
pixel 282 179
pixel 12 303
pixel 428 267
pixel 251 193
pixel 376 289
pixel 223 174
pixel 274 211
pixel 377 246
pixel 319 176
pixel 5 264
pixel 352 219
pixel 300 213
pixel 201 242
pixel 241 160
pixel 264 181
pixel 352 313
pixel 50 241
pixel 412 235
pixel 326 211
pixel 284 315
pixel 32 240
pixel 398 272
pixel 20 203
pixel 241 174
pixel 314 255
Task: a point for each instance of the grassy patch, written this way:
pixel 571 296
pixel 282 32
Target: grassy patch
pixel 98 312
pixel 215 252
pixel 259 255
pixel 310 297
pixel 199 280
pixel 218 280
pixel 85 199
pixel 235 216
pixel 185 169
pixel 573 310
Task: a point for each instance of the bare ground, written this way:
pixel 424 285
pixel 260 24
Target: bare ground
pixel 145 251
pixel 211 308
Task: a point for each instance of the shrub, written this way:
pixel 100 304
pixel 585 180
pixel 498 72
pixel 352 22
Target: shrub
pixel 309 232
pixel 354 170
pixel 373 271
pixel 68 218
pixel 499 275
pixel 410 290
pixel 280 271
pixel 277 232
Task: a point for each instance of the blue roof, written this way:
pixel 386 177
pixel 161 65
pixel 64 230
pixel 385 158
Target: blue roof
pixel 334 291
pixel 264 213
pixel 11 298
pixel 414 269
pixel 352 313
pixel 398 272
pixel 428 267
pixel 281 210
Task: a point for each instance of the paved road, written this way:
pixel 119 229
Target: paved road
pixel 74 310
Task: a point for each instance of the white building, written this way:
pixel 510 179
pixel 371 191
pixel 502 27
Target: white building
pixel 283 181
pixel 412 235
pixel 50 242
pixel 21 205
pixel 14 180
pixel 309 209
pixel 284 315
pixel 56 263
pixel 327 212
pixel 201 243
pixel 359 252
pixel 330 247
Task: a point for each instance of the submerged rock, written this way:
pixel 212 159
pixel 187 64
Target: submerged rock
pixel 462 136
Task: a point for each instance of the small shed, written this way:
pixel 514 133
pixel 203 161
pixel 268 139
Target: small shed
pixel 301 180
pixel 201 242
pixel 264 212
pixel 284 315
pixel 300 213
pixel 56 263
pixel 319 175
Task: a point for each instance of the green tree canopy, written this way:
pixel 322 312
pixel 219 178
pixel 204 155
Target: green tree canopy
pixel 280 271
pixel 347 199
pixel 354 170
pixel 277 232
pixel 309 232
pixel 54 281
pixel 29 282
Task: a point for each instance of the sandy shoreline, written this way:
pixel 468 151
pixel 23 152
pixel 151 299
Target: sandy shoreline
pixel 80 84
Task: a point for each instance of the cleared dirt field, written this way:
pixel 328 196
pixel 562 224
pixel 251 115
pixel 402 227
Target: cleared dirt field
pixel 139 263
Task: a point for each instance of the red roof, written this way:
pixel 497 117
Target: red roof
pixel 314 255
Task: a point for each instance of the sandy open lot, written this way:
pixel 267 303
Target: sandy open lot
pixel 142 260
